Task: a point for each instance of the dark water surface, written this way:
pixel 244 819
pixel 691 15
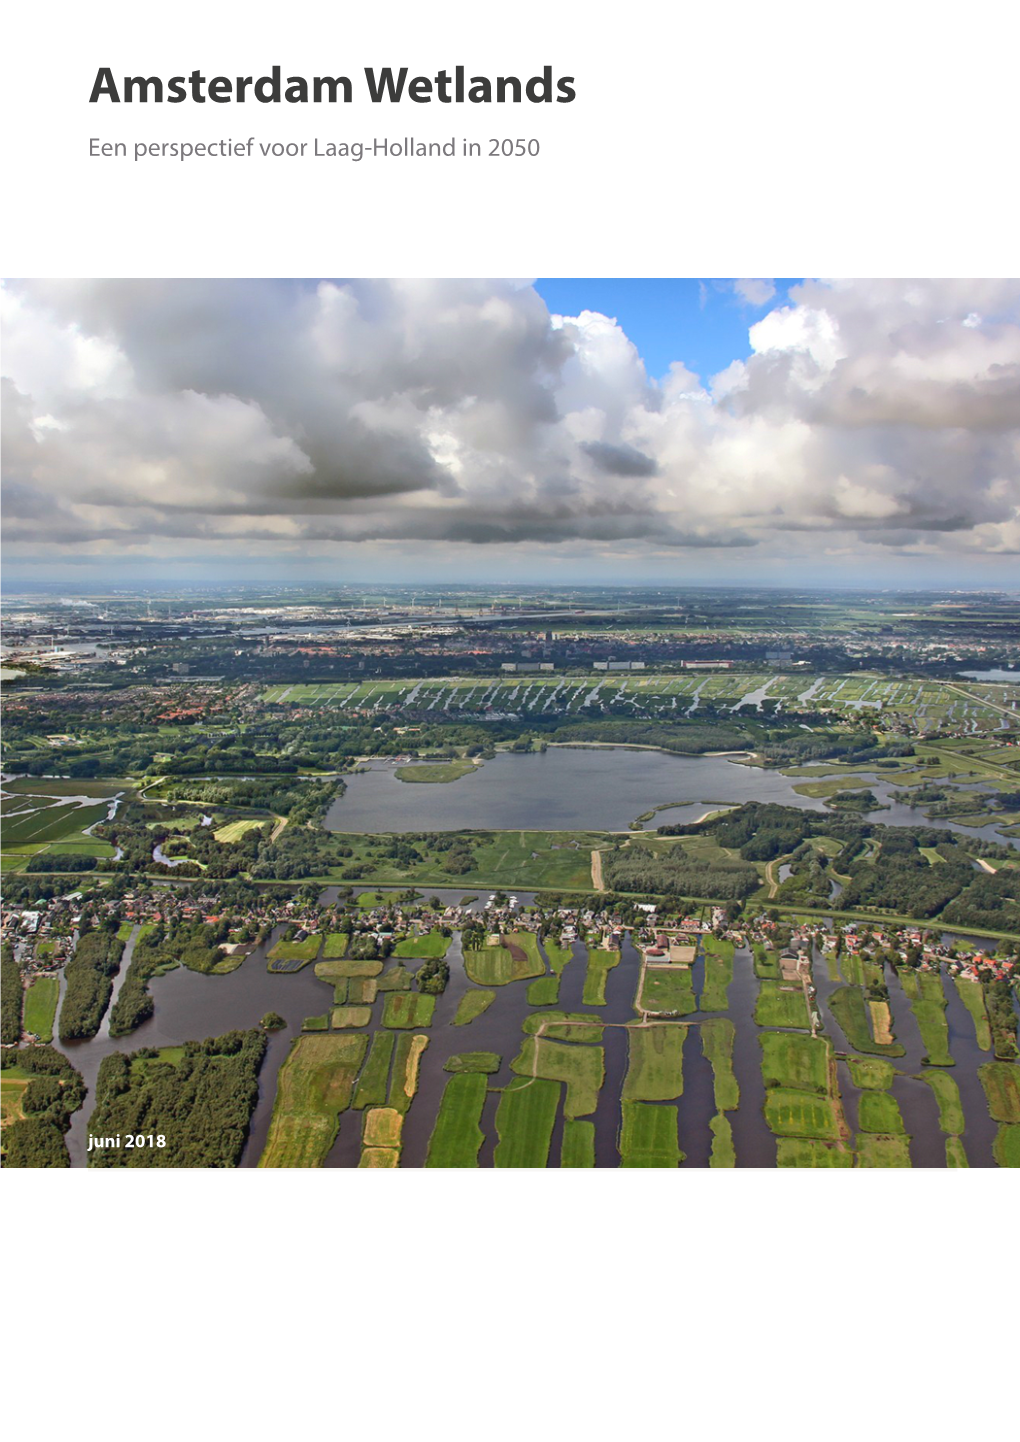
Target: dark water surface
pixel 590 788
pixel 190 1007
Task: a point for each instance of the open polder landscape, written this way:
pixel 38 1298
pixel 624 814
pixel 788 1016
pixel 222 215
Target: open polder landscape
pixel 731 912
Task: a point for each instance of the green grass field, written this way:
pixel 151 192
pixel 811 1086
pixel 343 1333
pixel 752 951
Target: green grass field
pixel 395 978
pixel 341 967
pixel 718 973
pixel 956 1156
pixel 375 1074
pixel 799 1114
pixel 408 1009
pixel 666 991
pixel 648 1136
pixel 457 1136
pixel 848 1007
pixel 439 772
pixel 544 992
pixel 792 1060
pixel 558 955
pixel 779 1007
pixel 361 990
pixel 12 1092
pixel 578 1146
pixel 972 995
pixel 723 1151
pixel 582 1068
pixel 314 1086
pixel 947 1094
pixel 47 822
pixel 1001 1081
pixel 718 1035
pixel 805 1152
pixel 879 1112
pixel 486 1062
pixel 928 1001
pixel 306 950
pixel 234 830
pixel 766 962
pixel 404 1078
pixel 574 1026
pixel 882 1151
pixel 472 1004
pixel 655 1063
pixel 1006 1147
pixel 342 1018
pixel 500 965
pixel 600 964
pixel 524 1123
pixel 41 1006
pixel 428 946
pixel 871 1074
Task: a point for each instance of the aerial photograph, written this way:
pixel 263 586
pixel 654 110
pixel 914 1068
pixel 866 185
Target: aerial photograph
pixel 511 723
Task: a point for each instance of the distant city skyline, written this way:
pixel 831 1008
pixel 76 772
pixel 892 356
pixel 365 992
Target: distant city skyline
pixel 671 432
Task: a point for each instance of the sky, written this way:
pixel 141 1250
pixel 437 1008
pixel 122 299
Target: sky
pixel 754 431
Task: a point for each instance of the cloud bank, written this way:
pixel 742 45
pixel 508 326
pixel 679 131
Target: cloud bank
pixel 868 419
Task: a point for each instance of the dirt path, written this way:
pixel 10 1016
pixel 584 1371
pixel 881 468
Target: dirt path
pixel 596 871
pixel 281 823
pixel 771 877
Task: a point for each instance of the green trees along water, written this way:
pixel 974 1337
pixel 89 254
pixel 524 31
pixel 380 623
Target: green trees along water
pixel 201 1104
pixel 89 975
pixel 54 1093
pixel 11 997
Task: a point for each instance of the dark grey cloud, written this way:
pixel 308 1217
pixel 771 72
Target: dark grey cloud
pixel 147 414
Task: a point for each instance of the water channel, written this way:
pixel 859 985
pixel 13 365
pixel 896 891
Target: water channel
pixel 564 788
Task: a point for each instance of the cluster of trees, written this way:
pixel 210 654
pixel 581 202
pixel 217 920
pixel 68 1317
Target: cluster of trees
pixel 297 852
pixel 902 880
pixel 55 1091
pixel 854 800
pixel 89 975
pixel 200 758
pixel 306 851
pixel 1002 1016
pixel 991 902
pixel 246 793
pixel 761 831
pixel 63 861
pixel 810 882
pixel 18 889
pixel 796 746
pixel 11 997
pixel 433 975
pixel 689 738
pixel 366 947
pixel 202 1106
pixel 675 873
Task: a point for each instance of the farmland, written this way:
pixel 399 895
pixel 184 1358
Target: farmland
pixel 648 1136
pixel 524 1122
pixel 316 1084
pixel 457 1136
pixel 580 1067
pixel 655 1065
pixel 41 1006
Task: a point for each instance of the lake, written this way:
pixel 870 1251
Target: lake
pixel 565 788
pixel 597 788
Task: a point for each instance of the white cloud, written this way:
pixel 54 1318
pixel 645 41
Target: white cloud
pixel 171 416
pixel 755 292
